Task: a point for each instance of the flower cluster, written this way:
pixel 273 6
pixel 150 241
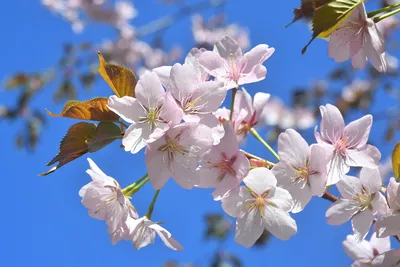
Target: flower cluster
pixel 177 119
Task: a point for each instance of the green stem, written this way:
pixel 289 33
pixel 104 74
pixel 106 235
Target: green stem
pixel 151 207
pixel 259 138
pixel 234 91
pixel 133 188
pixel 381 10
pixel 384 16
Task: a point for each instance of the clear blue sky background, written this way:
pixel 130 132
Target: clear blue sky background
pixel 42 220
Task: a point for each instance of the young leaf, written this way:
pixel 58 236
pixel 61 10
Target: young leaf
pixel 73 145
pixel 307 9
pixel 106 133
pixel 121 80
pixel 396 160
pixel 329 17
pixel 95 109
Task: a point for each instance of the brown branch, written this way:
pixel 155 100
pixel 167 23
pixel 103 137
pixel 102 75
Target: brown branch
pixel 330 197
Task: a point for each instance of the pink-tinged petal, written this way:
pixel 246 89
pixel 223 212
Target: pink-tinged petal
pixel 249 228
pixel 166 237
pixel 349 186
pixel 318 162
pixel 212 63
pixel 357 250
pixel 279 223
pixel 233 201
pixel 332 123
pixel 260 179
pixel 341 211
pixel 217 129
pixel 379 204
pixel 367 156
pixel 135 137
pixel 243 101
pixel 183 171
pixel 281 199
pixel 183 81
pixel 390 258
pixel 192 58
pixel 380 244
pixel 241 166
pixel 228 145
pixel 227 47
pixel 149 90
pixel 257 74
pixel 358 131
pixel 393 194
pixel 361 224
pixel 284 172
pixel 292 148
pixel 300 196
pixel 371 178
pixel 359 60
pixel 128 108
pixel 339 43
pixel 157 165
pixel 197 137
pixel 373 48
pixel 260 100
pixel 256 56
pixel 388 226
pixel 163 73
pixel 171 112
pixel 375 37
pixel 96 173
pixel 228 183
pixel 209 96
pixel 337 168
pixel 140 234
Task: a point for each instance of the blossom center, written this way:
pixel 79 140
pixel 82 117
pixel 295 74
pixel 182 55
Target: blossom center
pixel 234 73
pixel 341 145
pixel 363 199
pixel 225 166
pixel 152 117
pixel 302 175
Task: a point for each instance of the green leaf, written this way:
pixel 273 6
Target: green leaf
pixel 121 79
pixel 95 109
pixel 329 17
pixel 396 160
pixel 106 133
pixel 81 138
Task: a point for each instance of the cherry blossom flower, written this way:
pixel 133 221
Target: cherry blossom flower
pixel 228 64
pixel 152 110
pixel 390 223
pixel 301 169
pixel 345 145
pixel 176 154
pixel 254 109
pixel 104 199
pixel 194 97
pixel 224 166
pixel 260 205
pixel 358 38
pixel 365 251
pixel 361 202
pixel 142 232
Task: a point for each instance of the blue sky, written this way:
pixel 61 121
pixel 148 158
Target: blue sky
pixel 43 221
